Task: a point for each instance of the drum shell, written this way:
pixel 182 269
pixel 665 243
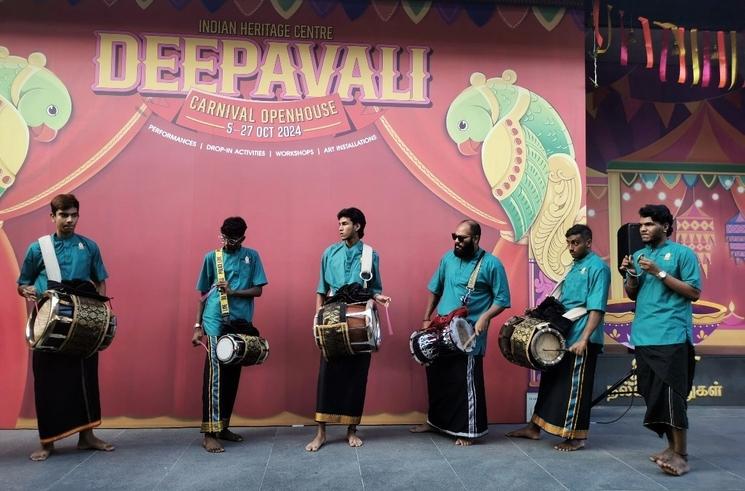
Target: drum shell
pixel 426 345
pixel 518 340
pixel 247 350
pixel 341 329
pixel 70 324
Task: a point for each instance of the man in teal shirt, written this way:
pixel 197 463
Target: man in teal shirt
pixel 565 393
pixel 65 386
pixel 244 281
pixel 342 382
pixel 455 384
pixel 664 279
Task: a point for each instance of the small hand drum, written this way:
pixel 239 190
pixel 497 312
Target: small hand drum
pixel 343 329
pixel 242 349
pixel 426 345
pixel 70 324
pixel 531 343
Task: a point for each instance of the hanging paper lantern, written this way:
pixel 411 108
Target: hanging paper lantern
pixel 734 232
pixel 695 229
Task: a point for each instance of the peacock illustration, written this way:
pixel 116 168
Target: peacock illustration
pixel 31 97
pixel 528 159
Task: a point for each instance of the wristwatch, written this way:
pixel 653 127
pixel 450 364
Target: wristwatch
pixel 662 275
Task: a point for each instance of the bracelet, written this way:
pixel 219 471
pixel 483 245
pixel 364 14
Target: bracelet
pixel 197 325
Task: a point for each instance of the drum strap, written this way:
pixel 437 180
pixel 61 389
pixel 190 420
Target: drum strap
pixel 220 267
pixel 571 314
pixel 50 258
pixel 471 286
pixel 366 264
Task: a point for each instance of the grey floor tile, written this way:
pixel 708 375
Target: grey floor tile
pixel 391 458
pixel 335 466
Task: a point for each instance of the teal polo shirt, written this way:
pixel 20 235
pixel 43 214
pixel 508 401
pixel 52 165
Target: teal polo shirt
pixel 243 270
pixel 79 259
pixel 341 265
pixel 450 282
pixel 586 285
pixel 663 316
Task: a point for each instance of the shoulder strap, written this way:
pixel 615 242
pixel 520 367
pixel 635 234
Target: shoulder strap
pixel 571 314
pixel 366 264
pixel 472 280
pixel 50 258
pixel 220 267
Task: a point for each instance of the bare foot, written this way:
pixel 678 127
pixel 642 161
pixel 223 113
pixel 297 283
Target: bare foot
pixel 663 455
pixel 88 441
pixel 211 444
pixel 676 465
pixel 317 442
pixel 42 453
pixel 530 431
pixel 229 436
pixel 353 439
pixel 422 428
pixel 570 445
pixel 464 442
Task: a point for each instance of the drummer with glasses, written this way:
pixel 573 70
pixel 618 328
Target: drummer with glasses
pixel 455 384
pixel 65 386
pixel 231 277
pixel 565 393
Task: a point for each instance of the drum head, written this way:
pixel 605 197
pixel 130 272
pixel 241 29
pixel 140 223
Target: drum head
pixel 225 349
pixel 461 332
pixel 547 347
pixel 374 325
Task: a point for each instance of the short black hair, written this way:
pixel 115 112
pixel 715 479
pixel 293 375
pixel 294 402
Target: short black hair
pixel 659 214
pixel 233 227
pixel 64 202
pixel 357 217
pixel 579 229
pixel 473 225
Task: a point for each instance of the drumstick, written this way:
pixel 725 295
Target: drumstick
pixel 557 349
pixel 205 346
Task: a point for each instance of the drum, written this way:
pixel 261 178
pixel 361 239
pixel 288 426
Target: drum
pixel 343 329
pixel 531 343
pixel 426 345
pixel 70 324
pixel 242 349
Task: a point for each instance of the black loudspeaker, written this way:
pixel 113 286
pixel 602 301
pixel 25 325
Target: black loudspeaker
pixel 629 241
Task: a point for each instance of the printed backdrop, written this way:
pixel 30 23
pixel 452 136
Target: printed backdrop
pixel 165 118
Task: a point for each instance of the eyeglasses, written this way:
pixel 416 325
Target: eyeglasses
pixel 460 238
pixel 230 240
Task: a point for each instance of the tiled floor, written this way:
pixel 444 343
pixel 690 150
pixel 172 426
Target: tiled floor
pixel 392 458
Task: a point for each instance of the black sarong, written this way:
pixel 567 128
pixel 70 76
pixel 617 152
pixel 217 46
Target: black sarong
pixel 664 378
pixel 66 394
pixel 219 390
pixel 457 399
pixel 342 383
pixel 565 395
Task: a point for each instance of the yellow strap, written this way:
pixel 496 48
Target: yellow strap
pixel 224 307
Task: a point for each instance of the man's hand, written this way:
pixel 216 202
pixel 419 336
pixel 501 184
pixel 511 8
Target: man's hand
pixel 627 265
pixel 28 292
pixel 224 287
pixel 482 325
pixel 382 299
pixel 196 339
pixel 649 266
pixel 579 348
